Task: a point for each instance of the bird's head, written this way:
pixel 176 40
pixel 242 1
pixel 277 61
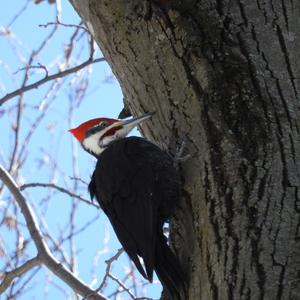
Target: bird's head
pixel 96 134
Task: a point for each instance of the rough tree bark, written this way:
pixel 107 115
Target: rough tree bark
pixel 225 76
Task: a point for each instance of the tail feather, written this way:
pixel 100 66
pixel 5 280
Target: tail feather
pixel 168 270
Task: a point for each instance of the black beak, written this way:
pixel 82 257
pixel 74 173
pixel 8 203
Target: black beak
pixel 131 123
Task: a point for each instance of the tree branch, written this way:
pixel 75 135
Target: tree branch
pixel 44 253
pixel 65 25
pixel 8 277
pixel 49 78
pixel 108 267
pixel 54 186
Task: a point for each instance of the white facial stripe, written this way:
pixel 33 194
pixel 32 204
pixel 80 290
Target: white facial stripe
pixel 91 143
pixel 96 144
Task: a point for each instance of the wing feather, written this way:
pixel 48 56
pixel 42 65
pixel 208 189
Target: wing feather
pixel 126 186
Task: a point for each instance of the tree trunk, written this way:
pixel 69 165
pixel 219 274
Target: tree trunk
pixel 224 76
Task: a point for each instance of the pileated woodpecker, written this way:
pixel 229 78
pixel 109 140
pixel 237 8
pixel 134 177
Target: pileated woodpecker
pixel 137 187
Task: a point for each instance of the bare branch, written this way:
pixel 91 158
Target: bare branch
pixel 65 191
pixel 8 277
pixel 64 25
pixel 39 66
pixel 122 285
pixel 43 250
pixel 49 78
pixel 108 267
pixel 18 14
pixel 78 179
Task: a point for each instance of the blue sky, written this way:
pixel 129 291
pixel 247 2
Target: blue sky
pixel 52 142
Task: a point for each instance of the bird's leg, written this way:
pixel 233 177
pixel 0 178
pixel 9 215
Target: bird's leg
pixel 179 157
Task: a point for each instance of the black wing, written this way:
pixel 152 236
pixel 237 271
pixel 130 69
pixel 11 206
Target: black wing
pixel 129 184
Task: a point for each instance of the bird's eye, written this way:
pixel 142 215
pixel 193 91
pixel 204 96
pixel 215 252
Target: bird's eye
pixel 100 126
pixel 103 124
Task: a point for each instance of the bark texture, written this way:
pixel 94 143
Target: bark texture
pixel 224 75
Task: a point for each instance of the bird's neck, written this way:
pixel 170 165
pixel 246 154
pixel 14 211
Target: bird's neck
pixel 91 144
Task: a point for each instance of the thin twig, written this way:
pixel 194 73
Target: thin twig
pixel 64 25
pixel 108 267
pixel 39 66
pixel 18 14
pixel 122 285
pixel 63 190
pixel 78 179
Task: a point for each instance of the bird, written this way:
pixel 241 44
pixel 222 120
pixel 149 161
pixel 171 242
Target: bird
pixel 138 187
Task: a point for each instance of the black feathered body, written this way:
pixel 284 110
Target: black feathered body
pixel 138 188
